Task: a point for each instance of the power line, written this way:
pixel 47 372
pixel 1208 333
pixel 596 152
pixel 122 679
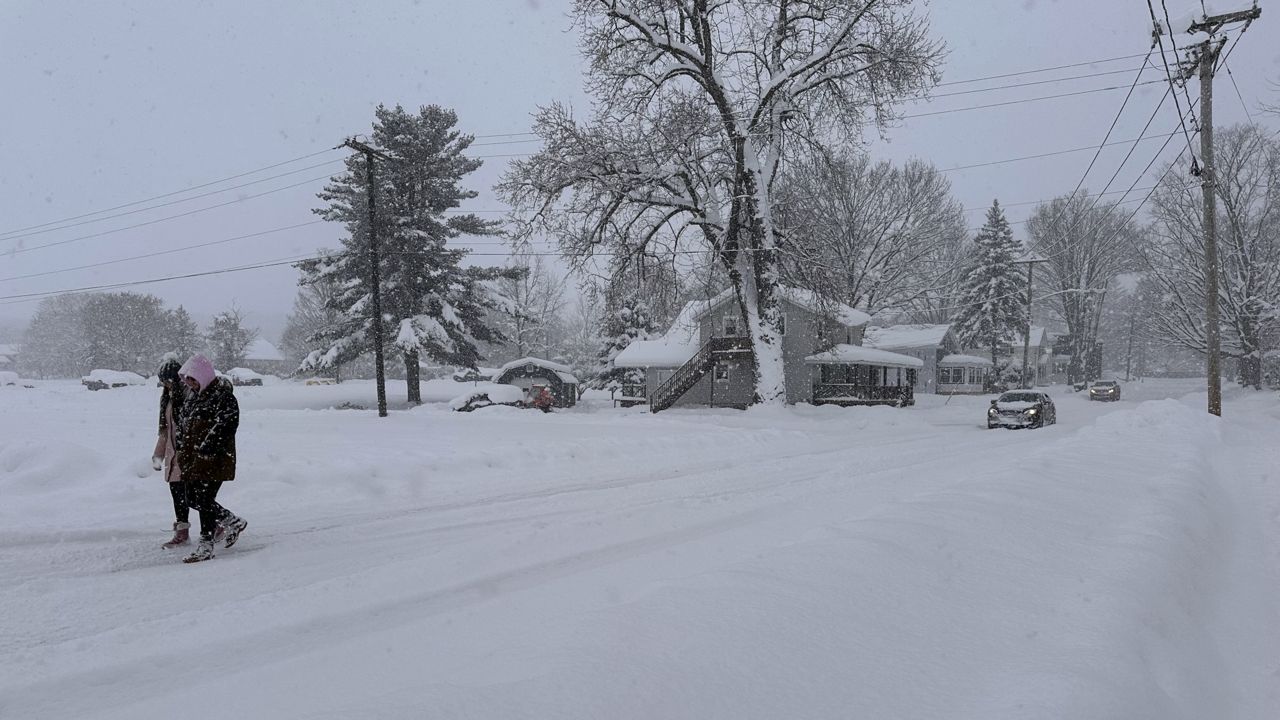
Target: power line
pixel 161 252
pixel 1026 100
pixel 169 194
pixel 1049 154
pixel 171 202
pixel 1040 70
pixel 1022 85
pixel 1159 35
pixel 33 248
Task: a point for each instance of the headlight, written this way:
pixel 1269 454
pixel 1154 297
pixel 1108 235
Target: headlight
pixel 991 411
pixel 1031 411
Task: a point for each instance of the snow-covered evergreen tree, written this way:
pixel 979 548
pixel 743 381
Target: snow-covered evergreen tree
pixel 626 320
pixel 229 339
pixel 991 311
pixel 431 304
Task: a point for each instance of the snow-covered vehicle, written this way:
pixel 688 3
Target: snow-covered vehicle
pixel 8 377
pixel 1021 409
pixel 107 379
pixel 244 376
pixel 320 381
pixel 486 396
pixel 1107 390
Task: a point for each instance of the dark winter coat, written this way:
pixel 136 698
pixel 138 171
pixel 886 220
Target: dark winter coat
pixel 207 434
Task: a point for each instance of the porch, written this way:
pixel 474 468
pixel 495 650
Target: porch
pixel 854 375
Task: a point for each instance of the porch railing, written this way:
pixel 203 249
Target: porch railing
pixel 848 394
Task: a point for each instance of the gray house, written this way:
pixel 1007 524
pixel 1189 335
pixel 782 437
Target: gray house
pixel 929 343
pixel 706 359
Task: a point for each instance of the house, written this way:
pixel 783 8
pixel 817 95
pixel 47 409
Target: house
pixel 263 357
pixel 528 372
pixel 706 357
pixel 928 343
pixel 963 374
pixel 8 357
pixel 1040 362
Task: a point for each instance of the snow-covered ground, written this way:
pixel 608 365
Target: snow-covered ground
pixel 609 563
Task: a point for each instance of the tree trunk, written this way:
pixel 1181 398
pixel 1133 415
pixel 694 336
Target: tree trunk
pixel 411 377
pixel 760 306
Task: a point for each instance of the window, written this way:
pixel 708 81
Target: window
pixel 731 326
pixel 975 376
pixel 951 376
pixel 721 372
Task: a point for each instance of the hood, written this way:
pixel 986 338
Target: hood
pixel 199 368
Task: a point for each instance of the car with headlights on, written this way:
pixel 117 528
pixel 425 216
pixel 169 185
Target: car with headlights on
pixel 1105 390
pixel 1021 409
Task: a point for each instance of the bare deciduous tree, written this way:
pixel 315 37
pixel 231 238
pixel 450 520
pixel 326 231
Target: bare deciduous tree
pixel 1086 245
pixel 697 105
pixel 875 236
pixel 1247 167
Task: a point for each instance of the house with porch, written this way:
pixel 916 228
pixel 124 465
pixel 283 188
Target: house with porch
pixel 706 358
pixel 928 343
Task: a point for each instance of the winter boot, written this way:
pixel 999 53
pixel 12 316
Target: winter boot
pixel 234 525
pixel 181 535
pixel 203 551
pixel 219 533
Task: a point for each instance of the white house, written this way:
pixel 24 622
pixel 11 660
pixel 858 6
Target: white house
pixel 264 357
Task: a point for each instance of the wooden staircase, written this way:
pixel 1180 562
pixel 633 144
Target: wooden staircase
pixel 688 375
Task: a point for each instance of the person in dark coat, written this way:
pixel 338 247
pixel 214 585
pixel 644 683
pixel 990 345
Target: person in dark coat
pixel 164 456
pixel 207 451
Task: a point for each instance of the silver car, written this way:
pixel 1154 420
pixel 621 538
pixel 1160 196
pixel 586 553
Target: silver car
pixel 1021 409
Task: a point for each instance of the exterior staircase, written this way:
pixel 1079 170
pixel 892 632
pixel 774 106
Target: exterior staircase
pixel 688 375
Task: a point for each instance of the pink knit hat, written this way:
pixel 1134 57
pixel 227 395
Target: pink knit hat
pixel 200 369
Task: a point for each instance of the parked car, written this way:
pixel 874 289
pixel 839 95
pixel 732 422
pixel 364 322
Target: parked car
pixel 488 395
pixel 244 376
pixel 9 378
pixel 1108 390
pixel 106 379
pixel 1021 409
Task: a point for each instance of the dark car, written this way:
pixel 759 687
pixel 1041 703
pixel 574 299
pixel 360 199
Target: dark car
pixel 1108 390
pixel 1021 409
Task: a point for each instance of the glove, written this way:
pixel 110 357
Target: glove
pixel 157 462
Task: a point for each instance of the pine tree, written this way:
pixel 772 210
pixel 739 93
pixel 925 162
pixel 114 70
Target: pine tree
pixel 181 335
pixel 991 311
pixel 229 339
pixel 626 320
pixel 54 343
pixel 431 304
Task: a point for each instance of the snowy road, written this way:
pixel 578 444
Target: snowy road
pixel 800 563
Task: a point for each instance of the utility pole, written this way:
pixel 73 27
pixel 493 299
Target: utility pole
pixel 1208 52
pixel 1026 337
pixel 375 275
pixel 1128 357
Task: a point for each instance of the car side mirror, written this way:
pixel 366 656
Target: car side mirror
pixel 993 402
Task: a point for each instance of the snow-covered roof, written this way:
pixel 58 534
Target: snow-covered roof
pixel 806 299
pixel 655 353
pixel 964 360
pixel 564 372
pixel 859 355
pixel 906 337
pixel 8 349
pixel 263 351
pixel 684 329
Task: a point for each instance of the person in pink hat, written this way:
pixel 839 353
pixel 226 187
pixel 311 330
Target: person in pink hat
pixel 207 451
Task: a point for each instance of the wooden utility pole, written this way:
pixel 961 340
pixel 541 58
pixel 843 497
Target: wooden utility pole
pixel 375 274
pixel 1026 337
pixel 1208 57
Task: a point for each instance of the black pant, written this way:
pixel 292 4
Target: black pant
pixel 202 497
pixel 179 492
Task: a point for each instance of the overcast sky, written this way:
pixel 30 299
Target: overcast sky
pixel 108 103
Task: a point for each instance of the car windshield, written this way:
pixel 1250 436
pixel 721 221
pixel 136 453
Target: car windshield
pixel 1020 397
pixel 1105 383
